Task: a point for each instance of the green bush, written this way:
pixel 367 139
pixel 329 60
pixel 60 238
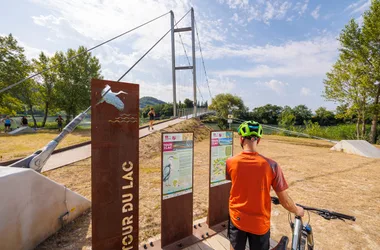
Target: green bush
pixel 339 132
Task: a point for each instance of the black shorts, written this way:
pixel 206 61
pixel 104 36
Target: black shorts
pixel 151 118
pixel 59 125
pixel 238 239
pixel 7 125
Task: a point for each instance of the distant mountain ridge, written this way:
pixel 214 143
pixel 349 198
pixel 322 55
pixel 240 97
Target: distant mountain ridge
pixel 149 101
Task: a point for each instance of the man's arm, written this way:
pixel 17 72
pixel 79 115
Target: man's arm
pixel 288 203
pixel 228 177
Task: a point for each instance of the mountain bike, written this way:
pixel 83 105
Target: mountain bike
pixel 302 235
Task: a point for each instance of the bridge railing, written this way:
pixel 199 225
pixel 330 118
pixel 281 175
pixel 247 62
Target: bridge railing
pixel 186 113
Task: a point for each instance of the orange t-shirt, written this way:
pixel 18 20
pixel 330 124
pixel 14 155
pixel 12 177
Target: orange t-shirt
pixel 252 176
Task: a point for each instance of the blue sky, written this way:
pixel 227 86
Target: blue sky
pixel 266 51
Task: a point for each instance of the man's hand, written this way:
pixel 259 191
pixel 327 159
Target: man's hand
pixel 300 212
pixel 288 203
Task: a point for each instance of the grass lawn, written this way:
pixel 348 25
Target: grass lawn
pixel 16 146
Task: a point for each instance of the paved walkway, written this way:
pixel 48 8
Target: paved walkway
pixel 84 152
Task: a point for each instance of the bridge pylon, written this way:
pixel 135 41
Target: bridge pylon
pixel 192 67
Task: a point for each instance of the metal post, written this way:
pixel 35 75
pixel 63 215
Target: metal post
pixel 194 68
pixel 173 66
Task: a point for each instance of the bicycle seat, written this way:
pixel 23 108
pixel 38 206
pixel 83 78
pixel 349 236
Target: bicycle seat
pixel 282 244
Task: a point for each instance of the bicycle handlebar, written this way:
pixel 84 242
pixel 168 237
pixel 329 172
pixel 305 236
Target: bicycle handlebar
pixel 328 215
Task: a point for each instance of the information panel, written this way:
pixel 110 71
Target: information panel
pixel 177 164
pixel 221 150
pixel 176 187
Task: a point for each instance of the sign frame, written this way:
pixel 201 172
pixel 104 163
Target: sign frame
pixel 176 212
pixel 218 206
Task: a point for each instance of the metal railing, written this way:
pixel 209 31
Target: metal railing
pixel 187 113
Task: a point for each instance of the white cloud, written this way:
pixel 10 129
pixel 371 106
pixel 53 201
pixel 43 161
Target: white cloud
pixel 289 19
pixel 99 21
pixel 359 6
pixel 263 11
pixel 269 12
pixel 305 91
pixel 238 20
pixel 46 20
pixel 233 4
pixel 301 7
pixel 275 85
pixel 281 12
pixel 295 58
pixel 315 12
pixel 235 17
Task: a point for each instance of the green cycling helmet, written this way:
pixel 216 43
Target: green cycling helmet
pixel 250 129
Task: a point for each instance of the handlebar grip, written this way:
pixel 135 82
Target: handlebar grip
pixel 344 216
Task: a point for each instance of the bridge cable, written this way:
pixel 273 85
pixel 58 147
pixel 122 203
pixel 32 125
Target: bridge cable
pixel 203 62
pixel 150 49
pixel 71 58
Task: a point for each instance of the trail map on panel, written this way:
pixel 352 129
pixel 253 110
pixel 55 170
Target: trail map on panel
pixel 221 150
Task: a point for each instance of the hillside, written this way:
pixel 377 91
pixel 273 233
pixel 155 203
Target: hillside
pixel 149 101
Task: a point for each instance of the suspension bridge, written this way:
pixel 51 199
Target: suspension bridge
pixel 179 114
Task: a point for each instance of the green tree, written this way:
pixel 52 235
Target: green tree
pixel 349 82
pixel 287 118
pixel 357 70
pixel 188 103
pixel 347 85
pixel 46 82
pixel 268 114
pixel 302 114
pixel 13 67
pixel 73 80
pixel 342 114
pixel 371 36
pixel 325 117
pixel 224 103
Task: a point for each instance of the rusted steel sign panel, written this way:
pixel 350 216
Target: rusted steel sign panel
pixel 177 159
pixel 115 165
pixel 221 148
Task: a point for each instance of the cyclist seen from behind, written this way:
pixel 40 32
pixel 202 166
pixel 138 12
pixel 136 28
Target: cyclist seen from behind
pixel 252 176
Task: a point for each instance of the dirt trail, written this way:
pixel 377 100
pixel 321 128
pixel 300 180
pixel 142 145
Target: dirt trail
pixel 316 176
